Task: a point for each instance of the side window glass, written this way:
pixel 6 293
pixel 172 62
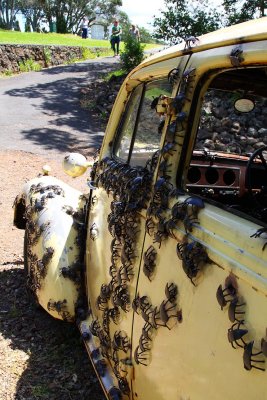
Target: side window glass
pixel 229 161
pixel 140 132
pixel 148 131
pixel 128 126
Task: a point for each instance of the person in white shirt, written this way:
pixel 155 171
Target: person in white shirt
pixel 84 26
pixel 134 32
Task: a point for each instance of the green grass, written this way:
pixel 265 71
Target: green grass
pixel 118 72
pixel 46 39
pixel 13 37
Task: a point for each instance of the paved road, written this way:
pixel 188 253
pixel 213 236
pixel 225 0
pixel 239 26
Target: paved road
pixel 40 111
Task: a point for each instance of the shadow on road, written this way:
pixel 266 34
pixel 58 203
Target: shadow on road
pixel 95 65
pixel 57 365
pixel 63 141
pixel 64 125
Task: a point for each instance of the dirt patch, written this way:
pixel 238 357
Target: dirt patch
pixel 40 358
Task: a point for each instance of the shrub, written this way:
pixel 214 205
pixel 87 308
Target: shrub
pixel 133 53
pixel 87 53
pixel 8 72
pixel 47 56
pixel 29 65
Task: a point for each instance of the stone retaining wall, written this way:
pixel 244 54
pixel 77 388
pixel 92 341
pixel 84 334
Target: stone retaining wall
pixel 11 55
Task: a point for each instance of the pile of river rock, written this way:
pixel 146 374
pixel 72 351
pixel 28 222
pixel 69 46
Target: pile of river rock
pixel 222 128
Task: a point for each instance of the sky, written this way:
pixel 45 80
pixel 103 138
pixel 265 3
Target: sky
pixel 141 12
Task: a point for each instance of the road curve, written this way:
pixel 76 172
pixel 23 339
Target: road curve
pixel 40 111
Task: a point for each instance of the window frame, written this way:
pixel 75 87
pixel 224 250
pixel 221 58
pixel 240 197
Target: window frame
pixel 192 126
pixel 124 116
pixel 121 123
pixel 200 89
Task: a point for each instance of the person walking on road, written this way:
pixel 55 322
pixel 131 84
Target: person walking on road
pixel 116 37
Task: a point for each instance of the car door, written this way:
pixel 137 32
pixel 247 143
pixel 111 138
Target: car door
pixel 121 191
pixel 199 329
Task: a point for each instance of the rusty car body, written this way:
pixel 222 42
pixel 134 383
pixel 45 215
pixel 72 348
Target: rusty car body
pixel 163 262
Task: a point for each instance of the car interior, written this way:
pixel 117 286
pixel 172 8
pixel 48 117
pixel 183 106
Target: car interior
pixel 229 161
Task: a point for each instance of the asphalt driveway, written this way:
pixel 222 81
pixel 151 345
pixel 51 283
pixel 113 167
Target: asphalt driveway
pixel 40 111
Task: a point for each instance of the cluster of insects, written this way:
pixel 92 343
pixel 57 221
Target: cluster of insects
pixel 238 334
pixel 41 265
pixel 35 232
pixel 78 215
pixel 187 212
pixel 61 308
pixel 33 277
pixel 116 348
pixel 38 204
pixel 130 189
pixel 149 262
pixel 165 315
pixel 38 267
pixel 73 272
pixel 131 185
pixel 193 256
pixel 157 224
pixel 187 81
pixel 40 188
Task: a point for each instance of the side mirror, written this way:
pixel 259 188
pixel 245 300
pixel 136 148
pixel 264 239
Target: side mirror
pixel 75 164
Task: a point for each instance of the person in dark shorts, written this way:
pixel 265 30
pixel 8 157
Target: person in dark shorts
pixel 115 37
pixel 84 27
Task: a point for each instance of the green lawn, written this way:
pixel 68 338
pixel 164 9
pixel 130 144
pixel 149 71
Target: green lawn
pixel 13 37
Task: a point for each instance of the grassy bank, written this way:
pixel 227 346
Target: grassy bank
pixel 13 37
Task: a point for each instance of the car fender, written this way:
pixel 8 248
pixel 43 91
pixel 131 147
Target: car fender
pixel 54 221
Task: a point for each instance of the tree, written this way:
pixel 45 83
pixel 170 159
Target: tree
pixel 66 14
pixel 183 18
pixel 69 14
pixel 8 10
pixel 145 36
pixel 244 10
pixel 33 10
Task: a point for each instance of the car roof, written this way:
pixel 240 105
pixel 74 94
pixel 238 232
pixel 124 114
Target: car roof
pixel 236 34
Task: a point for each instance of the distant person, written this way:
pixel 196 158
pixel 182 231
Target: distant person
pixel 115 37
pixel 84 26
pixel 134 32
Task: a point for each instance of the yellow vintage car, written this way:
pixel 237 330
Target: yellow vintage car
pixel 163 264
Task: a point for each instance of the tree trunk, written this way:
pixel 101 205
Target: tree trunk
pixel 262 8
